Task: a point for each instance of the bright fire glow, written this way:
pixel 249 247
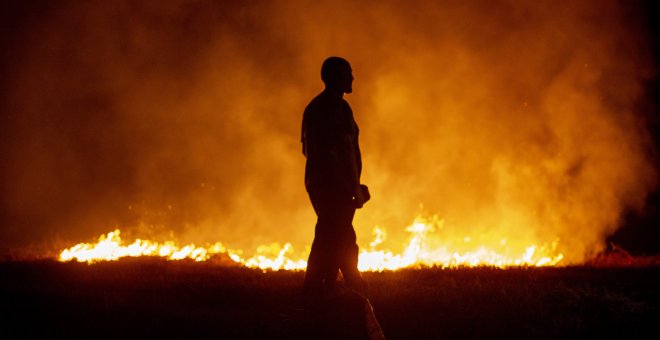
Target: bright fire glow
pixel 424 247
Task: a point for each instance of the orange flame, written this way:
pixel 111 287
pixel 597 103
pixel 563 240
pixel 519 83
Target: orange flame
pixel 422 249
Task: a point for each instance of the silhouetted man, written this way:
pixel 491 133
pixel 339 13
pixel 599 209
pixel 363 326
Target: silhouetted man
pixel 332 180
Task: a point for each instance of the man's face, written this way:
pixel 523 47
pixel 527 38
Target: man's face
pixel 345 80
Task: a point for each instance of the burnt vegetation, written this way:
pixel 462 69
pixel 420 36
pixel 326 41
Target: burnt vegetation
pixel 152 298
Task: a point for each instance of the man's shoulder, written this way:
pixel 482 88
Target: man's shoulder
pixel 322 102
pixel 315 104
pixel 314 111
pixel 326 111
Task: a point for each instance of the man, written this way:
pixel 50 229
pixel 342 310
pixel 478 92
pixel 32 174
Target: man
pixel 332 180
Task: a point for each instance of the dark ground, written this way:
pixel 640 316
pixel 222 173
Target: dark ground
pixel 149 298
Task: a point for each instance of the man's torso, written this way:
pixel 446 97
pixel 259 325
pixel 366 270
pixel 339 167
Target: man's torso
pixel 327 122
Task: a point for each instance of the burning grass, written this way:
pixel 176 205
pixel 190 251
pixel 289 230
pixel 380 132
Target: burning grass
pixel 422 248
pixel 151 297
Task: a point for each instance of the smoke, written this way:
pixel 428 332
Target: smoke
pixel 182 119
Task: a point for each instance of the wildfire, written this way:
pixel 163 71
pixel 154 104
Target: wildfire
pixel 422 248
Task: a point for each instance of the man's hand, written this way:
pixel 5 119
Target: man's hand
pixel 362 195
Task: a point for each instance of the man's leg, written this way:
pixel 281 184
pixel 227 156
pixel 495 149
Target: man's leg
pixel 323 262
pixel 322 265
pixel 348 262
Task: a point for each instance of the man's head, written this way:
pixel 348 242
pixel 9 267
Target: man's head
pixel 337 75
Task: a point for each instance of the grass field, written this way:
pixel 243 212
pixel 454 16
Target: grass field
pixel 150 298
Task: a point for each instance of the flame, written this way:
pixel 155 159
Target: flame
pixel 423 250
pixel 110 247
pixel 425 247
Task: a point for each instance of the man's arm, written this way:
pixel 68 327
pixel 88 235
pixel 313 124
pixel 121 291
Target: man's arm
pixel 348 143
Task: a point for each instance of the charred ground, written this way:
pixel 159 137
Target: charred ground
pixel 153 298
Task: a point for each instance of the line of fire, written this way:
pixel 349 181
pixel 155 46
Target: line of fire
pixel 422 249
